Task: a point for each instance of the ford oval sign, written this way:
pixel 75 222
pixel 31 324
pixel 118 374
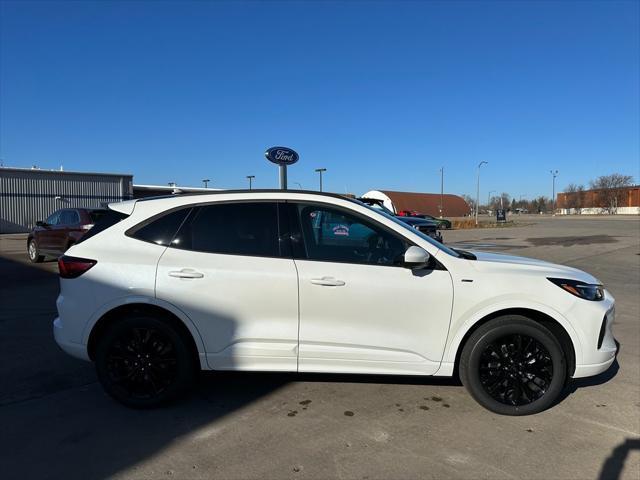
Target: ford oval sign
pixel 281 156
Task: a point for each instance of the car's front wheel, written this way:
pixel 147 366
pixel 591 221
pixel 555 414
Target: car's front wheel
pixel 144 362
pixel 34 252
pixel 513 365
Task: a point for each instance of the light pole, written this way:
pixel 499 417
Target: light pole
pixel 489 197
pixel 441 191
pixel 478 190
pixel 206 182
pixel 554 174
pixel 320 170
pixel 250 178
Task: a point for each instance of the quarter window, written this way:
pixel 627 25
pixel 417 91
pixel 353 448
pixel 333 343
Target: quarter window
pixel 161 230
pixel 249 229
pixel 337 236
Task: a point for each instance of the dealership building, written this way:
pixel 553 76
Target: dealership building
pixel 434 204
pixel 31 194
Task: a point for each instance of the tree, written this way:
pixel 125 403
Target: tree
pixel 471 202
pixel 580 198
pixel 611 190
pixel 504 199
pixel 571 197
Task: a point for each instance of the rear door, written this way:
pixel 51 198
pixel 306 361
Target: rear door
pixel 231 272
pixel 68 221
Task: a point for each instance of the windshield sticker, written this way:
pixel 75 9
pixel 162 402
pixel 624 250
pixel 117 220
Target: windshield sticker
pixel 341 230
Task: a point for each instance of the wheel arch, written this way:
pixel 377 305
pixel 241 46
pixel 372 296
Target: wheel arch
pixel 553 325
pixel 192 338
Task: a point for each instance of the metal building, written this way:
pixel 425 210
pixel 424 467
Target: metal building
pixel 28 195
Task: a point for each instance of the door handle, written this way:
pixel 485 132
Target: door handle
pixel 327 282
pixel 186 273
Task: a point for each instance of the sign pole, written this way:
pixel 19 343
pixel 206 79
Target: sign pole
pixel 282 156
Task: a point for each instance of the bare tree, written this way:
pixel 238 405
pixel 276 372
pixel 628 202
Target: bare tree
pixel 580 198
pixel 611 190
pixel 504 199
pixel 471 202
pixel 571 197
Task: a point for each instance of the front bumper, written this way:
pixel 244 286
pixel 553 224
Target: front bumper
pixel 74 349
pixel 600 352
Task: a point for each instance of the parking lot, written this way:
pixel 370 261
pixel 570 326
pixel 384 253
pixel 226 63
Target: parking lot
pixel 56 422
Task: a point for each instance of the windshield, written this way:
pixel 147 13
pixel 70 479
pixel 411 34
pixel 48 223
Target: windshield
pixel 424 236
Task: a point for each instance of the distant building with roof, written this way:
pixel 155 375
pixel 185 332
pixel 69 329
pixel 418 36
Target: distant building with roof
pixel 428 203
pixel 31 194
pixel 625 200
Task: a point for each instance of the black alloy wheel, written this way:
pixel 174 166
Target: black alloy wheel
pixel 516 369
pixel 513 365
pixel 144 362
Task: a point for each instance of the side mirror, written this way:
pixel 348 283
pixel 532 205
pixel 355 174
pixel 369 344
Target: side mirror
pixel 416 257
pixel 40 223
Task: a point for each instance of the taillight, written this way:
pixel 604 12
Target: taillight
pixel 73 267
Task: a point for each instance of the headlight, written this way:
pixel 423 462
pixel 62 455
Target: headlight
pixel 580 289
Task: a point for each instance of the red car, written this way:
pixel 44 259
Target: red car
pixel 62 229
pixel 409 213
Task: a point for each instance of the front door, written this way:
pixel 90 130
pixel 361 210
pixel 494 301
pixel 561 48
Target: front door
pixel 46 235
pixel 361 311
pixel 229 272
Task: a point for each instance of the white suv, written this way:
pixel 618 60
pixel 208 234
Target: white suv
pixel 307 282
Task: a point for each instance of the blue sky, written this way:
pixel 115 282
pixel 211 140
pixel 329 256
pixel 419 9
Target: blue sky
pixel 382 94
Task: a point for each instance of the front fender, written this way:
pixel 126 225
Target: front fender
pixel 457 333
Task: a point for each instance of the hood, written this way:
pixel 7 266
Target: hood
pixel 513 262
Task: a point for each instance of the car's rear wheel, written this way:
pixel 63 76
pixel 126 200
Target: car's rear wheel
pixel 34 252
pixel 144 362
pixel 513 365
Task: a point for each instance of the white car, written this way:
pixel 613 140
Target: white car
pixel 307 282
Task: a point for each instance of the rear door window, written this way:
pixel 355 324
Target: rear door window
pixel 247 228
pixel 69 217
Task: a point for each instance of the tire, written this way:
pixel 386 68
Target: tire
pixel 34 252
pixel 513 365
pixel 170 369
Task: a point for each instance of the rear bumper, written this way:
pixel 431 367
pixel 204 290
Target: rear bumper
pixel 74 349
